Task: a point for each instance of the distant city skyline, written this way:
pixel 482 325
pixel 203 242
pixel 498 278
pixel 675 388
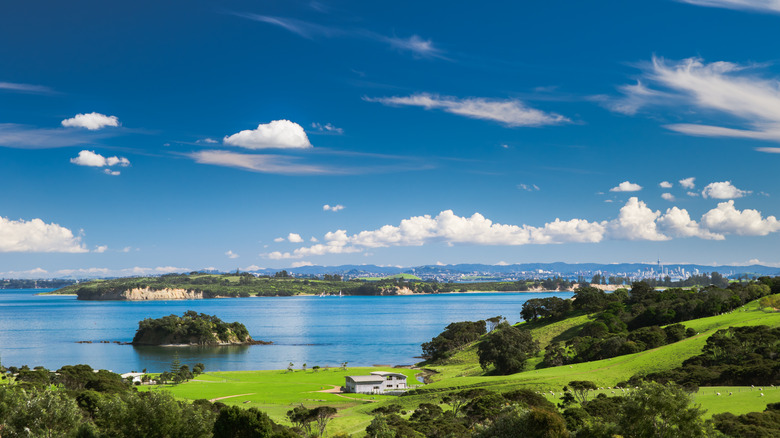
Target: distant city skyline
pixel 159 137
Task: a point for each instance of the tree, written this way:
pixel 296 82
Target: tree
pixel 534 423
pixel 45 413
pixel 581 388
pixel 321 415
pixel 379 428
pixel 302 418
pixel 662 411
pixel 175 364
pixel 589 299
pixel 493 322
pixel 198 368
pixel 234 422
pixel 506 348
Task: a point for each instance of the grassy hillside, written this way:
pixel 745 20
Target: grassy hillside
pixel 276 392
pixel 603 372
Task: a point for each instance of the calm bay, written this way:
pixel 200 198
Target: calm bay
pixel 325 331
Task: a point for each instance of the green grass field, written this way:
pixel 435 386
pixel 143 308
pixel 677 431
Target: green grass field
pixel 276 392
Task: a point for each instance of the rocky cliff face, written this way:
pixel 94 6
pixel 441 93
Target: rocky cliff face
pixel 141 294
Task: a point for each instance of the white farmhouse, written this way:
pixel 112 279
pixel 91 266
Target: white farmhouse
pixel 375 383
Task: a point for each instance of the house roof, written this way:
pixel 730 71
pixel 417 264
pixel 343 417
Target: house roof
pixel 365 379
pixel 388 373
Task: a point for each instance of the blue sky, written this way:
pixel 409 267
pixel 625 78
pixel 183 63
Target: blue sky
pixel 157 136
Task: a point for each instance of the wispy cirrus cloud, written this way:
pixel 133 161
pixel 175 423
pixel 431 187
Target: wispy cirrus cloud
pixel 327 128
pixel 28 137
pixel 25 88
pixel 734 93
pixel 414 44
pixel 771 6
pixel 509 112
pixel 264 163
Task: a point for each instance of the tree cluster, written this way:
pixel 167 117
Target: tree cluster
pixel 466 413
pixel 653 410
pixel 751 425
pixel 552 308
pixel 731 357
pixel 454 337
pixel 506 348
pixel 626 322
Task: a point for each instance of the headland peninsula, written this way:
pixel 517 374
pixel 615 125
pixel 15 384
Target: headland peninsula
pixel 197 285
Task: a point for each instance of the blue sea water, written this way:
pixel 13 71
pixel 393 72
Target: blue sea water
pixel 325 331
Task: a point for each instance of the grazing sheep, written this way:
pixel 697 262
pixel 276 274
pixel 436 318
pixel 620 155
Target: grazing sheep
pixel 717 393
pixel 762 394
pixel 730 393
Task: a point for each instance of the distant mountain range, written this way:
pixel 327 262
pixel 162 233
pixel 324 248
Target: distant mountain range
pixel 476 272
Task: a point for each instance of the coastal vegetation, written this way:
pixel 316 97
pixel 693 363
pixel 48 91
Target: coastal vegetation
pixel 282 284
pixel 192 328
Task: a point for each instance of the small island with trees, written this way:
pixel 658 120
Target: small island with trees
pixel 192 328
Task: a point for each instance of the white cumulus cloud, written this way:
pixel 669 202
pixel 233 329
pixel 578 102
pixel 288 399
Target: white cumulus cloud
pixel 667 196
pixel 665 185
pixel 688 183
pixel 37 236
pixel 334 208
pixel 93 159
pixel 677 222
pixel 91 121
pixel 636 221
pixel 294 238
pixel 231 254
pixel 510 112
pixel 626 186
pixel 723 190
pixel 278 134
pixel 727 219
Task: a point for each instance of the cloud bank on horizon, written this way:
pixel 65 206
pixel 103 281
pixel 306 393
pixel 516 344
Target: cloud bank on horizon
pixel 636 221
